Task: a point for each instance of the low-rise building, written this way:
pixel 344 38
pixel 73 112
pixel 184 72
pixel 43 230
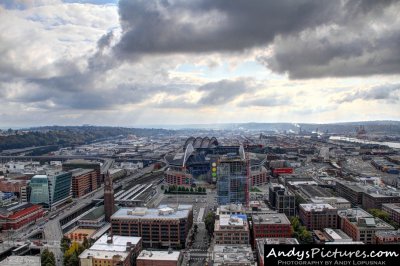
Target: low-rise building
pixel 331 235
pixel 336 202
pixel 162 227
pixel 78 235
pixel 360 225
pixel 112 250
pixel 318 216
pixel 233 255
pixel 393 209
pixel 387 237
pixel 159 258
pixel 274 225
pixel 21 261
pixel 231 230
pixel 20 216
pixel 260 242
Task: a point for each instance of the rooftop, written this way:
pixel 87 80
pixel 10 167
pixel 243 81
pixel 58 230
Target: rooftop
pixel 21 261
pixel 163 212
pixel 159 255
pixel 233 220
pixel 118 244
pixel 272 218
pixel 318 207
pixel 238 254
pixel 363 219
pixel 393 206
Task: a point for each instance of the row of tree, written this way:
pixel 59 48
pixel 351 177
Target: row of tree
pixel 181 189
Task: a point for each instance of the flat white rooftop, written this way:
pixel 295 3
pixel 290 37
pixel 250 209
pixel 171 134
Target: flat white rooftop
pixel 159 255
pixel 317 207
pixel 159 213
pixel 119 243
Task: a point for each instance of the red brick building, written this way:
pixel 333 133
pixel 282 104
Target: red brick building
pixel 387 237
pixel 84 181
pixel 19 217
pixel 318 216
pixel 271 225
pixel 178 178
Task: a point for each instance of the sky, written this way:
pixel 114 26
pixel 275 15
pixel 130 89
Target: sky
pixel 141 62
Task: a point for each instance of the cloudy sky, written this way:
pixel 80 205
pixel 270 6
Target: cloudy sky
pixel 132 62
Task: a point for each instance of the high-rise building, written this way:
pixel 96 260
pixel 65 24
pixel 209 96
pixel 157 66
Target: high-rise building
pixel 50 191
pixel 231 180
pixel 109 206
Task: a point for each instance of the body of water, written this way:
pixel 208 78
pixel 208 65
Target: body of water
pixel 395 145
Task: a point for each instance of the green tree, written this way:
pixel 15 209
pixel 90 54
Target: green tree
pixel 47 258
pixel 85 243
pixel 209 221
pixel 191 189
pixel 65 244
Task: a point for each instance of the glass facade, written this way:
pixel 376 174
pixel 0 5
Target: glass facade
pixel 40 190
pixel 231 183
pixel 50 190
pixel 61 186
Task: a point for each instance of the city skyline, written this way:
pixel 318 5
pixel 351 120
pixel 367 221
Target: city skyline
pixel 130 63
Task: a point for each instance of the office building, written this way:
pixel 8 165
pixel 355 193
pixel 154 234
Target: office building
pixel 318 216
pixel 50 191
pixel 360 225
pixel 350 191
pixel 84 164
pixel 231 230
pixel 112 250
pixel 282 200
pixel 163 227
pixel 159 258
pixel 84 181
pixel 274 225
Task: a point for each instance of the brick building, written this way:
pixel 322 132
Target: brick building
pixel 271 225
pixel 393 209
pixel 178 178
pixel 84 181
pixel 387 237
pixel 360 225
pixel 318 216
pixel 162 227
pixel 231 230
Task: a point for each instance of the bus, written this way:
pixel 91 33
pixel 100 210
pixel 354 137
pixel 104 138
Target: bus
pixel 53 216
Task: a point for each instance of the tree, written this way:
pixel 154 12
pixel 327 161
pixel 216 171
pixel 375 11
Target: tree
pixel 85 243
pixel 195 227
pixel 71 256
pixel 65 244
pixel 162 187
pixel 47 258
pixel 191 189
pixel 209 221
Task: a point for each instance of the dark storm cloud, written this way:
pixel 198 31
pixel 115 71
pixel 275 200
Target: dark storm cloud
pixel 360 42
pixel 223 91
pixel 214 25
pixel 388 92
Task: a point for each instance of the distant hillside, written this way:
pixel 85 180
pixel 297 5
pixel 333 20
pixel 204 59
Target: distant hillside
pixel 68 136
